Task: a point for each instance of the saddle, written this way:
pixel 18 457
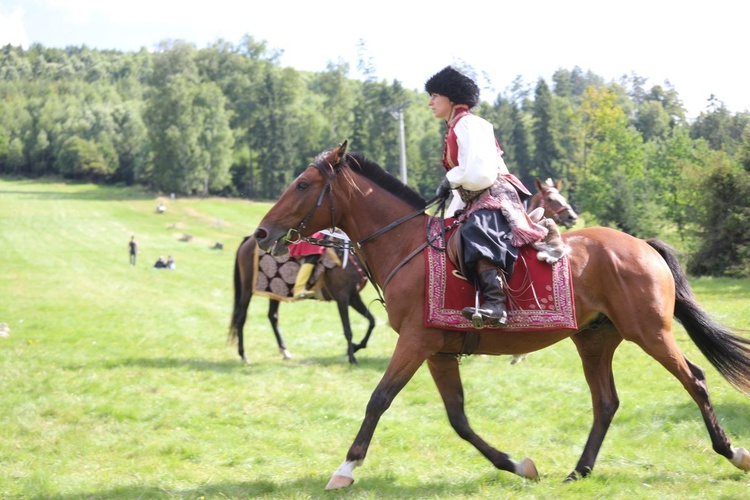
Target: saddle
pixel 540 294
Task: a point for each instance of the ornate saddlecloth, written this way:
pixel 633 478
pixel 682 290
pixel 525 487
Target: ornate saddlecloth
pixel 540 295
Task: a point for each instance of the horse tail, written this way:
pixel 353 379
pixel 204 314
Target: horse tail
pixel 727 352
pixel 233 326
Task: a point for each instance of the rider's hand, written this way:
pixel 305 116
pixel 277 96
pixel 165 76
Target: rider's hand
pixel 444 189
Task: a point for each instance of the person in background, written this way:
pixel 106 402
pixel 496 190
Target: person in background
pixel 170 263
pixel 160 263
pixel 487 197
pixel 133 249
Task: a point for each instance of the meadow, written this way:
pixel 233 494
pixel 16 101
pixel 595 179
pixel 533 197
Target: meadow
pixel 117 381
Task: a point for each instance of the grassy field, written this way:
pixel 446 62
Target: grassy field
pixel 116 381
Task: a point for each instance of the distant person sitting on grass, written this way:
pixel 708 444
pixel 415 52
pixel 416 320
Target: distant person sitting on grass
pixel 170 263
pixel 160 263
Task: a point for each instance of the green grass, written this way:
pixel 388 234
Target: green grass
pixel 117 381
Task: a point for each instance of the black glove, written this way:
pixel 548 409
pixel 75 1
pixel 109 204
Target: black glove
pixel 444 189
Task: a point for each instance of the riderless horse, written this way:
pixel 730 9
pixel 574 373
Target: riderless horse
pixel 340 283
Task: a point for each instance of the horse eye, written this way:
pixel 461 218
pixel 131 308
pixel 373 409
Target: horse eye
pixel 550 200
pixel 302 185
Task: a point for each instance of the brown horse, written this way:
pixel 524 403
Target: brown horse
pixel 556 207
pixel 625 288
pixel 339 283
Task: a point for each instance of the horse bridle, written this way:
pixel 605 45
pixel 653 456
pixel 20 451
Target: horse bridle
pixel 294 235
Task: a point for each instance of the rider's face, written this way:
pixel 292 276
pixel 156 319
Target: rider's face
pixel 441 106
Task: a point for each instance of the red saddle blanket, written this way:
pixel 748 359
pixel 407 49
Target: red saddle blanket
pixel 540 295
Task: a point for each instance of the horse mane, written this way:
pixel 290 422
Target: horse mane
pixel 368 169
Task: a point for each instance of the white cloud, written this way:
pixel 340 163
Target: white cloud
pixel 12 30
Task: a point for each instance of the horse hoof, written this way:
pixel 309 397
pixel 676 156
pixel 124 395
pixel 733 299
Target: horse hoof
pixel 338 482
pixel 527 469
pixel 741 459
pixel 285 354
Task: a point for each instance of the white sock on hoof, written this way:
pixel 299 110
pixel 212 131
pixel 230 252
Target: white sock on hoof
pixel 526 468
pixel 740 458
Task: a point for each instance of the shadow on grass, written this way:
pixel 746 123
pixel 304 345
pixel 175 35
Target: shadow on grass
pixel 383 486
pixel 732 416
pixel 377 364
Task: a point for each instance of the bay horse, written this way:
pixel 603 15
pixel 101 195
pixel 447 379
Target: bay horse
pixel 339 283
pixel 625 288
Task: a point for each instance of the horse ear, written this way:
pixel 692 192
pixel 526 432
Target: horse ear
pixel 538 184
pixel 340 151
pixel 558 185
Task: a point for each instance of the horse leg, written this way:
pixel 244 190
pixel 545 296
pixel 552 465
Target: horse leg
pixel 355 301
pixel 596 349
pixel 239 317
pixel 739 457
pixel 445 373
pixel 343 306
pixel 243 292
pixel 693 379
pixel 273 317
pixel 406 360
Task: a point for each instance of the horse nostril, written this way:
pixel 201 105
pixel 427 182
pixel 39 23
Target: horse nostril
pixel 260 233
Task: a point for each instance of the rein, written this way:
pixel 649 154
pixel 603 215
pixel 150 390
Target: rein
pixel 428 241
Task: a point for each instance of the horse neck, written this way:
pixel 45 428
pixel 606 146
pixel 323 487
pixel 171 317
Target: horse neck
pixel 370 209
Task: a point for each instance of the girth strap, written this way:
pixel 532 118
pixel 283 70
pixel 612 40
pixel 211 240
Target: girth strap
pixel 470 345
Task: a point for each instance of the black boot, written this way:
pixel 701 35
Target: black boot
pixel 492 311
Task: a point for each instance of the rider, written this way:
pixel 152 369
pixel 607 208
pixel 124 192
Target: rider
pixel 489 199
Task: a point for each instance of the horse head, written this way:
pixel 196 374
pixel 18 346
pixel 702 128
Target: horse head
pixel 304 207
pixel 555 205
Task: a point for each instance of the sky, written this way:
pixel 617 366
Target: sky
pixel 696 46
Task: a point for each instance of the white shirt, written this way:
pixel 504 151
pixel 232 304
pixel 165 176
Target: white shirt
pixel 479 160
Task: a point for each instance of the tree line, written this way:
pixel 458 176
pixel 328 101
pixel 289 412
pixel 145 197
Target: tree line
pixel 229 120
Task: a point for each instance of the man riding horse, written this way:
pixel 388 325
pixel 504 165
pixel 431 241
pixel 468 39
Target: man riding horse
pixel 489 198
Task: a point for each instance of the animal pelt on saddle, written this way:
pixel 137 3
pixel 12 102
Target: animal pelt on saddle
pixel 552 248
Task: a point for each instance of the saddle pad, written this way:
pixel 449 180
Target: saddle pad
pixel 540 295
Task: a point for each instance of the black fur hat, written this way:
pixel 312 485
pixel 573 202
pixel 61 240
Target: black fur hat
pixel 457 87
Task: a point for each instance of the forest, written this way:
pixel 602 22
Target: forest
pixel 228 120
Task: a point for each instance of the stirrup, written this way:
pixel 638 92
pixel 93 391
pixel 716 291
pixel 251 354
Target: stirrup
pixel 482 317
pixel 477 319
